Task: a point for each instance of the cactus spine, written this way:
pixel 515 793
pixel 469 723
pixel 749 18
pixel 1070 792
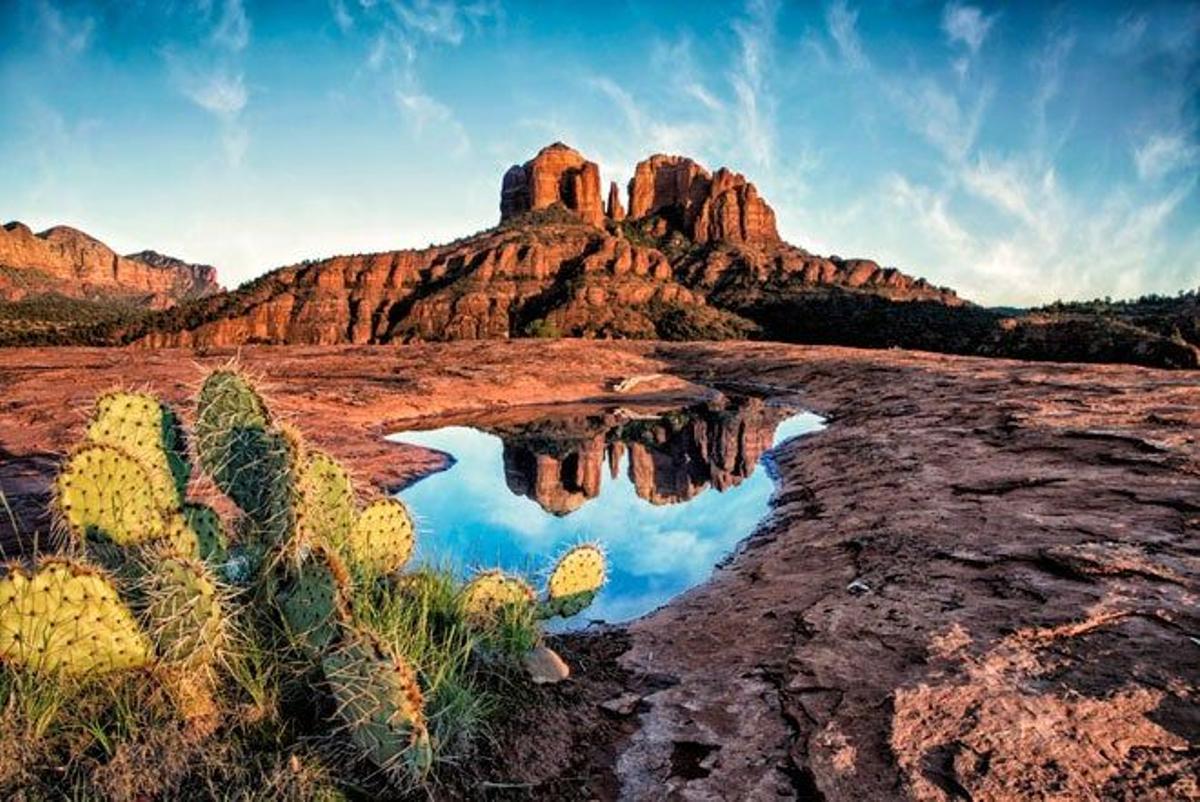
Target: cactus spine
pixel 574 581
pixel 382 539
pixel 249 458
pixel 149 431
pixel 381 704
pixel 66 616
pixel 103 493
pixel 489 592
pixel 326 501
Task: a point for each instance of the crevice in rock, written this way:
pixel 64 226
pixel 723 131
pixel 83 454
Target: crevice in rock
pixel 687 757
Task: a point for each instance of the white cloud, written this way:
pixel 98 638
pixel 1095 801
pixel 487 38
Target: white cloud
pixel 208 73
pixel 341 15
pixel 1161 155
pixel 424 113
pixel 400 33
pixel 1050 65
pixel 222 94
pixel 966 25
pixel 843 27
pixel 938 115
pixel 64 35
pixel 444 21
pixel 233 28
pixel 755 104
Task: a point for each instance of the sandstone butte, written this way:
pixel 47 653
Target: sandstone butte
pixel 68 262
pixel 693 248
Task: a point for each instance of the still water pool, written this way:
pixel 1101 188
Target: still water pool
pixel 667 492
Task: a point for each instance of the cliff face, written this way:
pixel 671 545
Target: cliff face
pixel 561 262
pixel 68 262
pixel 706 208
pixel 556 175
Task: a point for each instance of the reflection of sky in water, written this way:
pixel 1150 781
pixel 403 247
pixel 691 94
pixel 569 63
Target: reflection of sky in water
pixel 467 516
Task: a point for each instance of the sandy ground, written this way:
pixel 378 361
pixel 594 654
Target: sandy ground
pixel 979 582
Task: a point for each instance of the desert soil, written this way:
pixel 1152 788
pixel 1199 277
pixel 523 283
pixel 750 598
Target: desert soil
pixel 980 581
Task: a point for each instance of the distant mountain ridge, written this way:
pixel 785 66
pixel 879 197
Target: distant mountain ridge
pixel 685 254
pixel 66 262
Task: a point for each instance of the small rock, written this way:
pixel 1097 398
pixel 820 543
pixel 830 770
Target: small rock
pixel 621 705
pixel 545 666
pixel 858 587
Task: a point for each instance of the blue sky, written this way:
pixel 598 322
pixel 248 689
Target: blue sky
pixel 1017 152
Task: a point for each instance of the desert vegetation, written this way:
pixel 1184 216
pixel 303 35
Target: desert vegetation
pixel 268 641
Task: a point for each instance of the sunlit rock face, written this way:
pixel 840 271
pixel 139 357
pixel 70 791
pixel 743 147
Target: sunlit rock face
pixel 706 207
pixel 65 261
pixel 556 175
pixel 695 255
pixel 672 457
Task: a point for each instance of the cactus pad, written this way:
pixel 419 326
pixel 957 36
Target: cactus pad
pixel 575 580
pixel 382 538
pixel 248 458
pixel 67 617
pixel 312 599
pixel 103 492
pixel 179 536
pixel 149 431
pixel 211 539
pixel 380 702
pixel 326 509
pixel 182 610
pixel 490 591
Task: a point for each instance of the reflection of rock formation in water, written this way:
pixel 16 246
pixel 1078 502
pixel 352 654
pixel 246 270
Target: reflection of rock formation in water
pixel 559 483
pixel 672 457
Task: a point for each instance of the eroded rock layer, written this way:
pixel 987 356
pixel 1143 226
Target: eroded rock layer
pixel 68 262
pixel 559 263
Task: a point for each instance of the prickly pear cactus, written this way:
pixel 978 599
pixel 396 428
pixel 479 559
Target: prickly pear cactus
pixel 577 577
pixel 179 536
pixel 182 610
pixel 212 541
pixel 489 592
pixel 326 506
pixel 312 599
pixel 380 702
pixel 248 458
pixel 150 432
pixel 65 616
pixel 381 540
pixel 103 493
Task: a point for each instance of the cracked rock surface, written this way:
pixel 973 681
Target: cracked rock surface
pixel 980 581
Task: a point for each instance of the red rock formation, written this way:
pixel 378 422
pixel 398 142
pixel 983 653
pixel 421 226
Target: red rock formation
pixel 547 274
pixel 706 208
pixel 615 210
pixel 68 262
pixel 557 174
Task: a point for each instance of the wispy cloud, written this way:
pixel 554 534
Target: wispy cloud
pixel 843 27
pixel 65 35
pixel 966 25
pixel 1161 154
pixel 755 104
pixel 209 73
pixel 399 34
pixel 233 27
pixel 726 109
pixel 341 15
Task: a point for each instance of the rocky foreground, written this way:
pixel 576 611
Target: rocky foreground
pixel 980 581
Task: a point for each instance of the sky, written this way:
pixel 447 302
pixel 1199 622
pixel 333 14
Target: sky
pixel 1019 153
